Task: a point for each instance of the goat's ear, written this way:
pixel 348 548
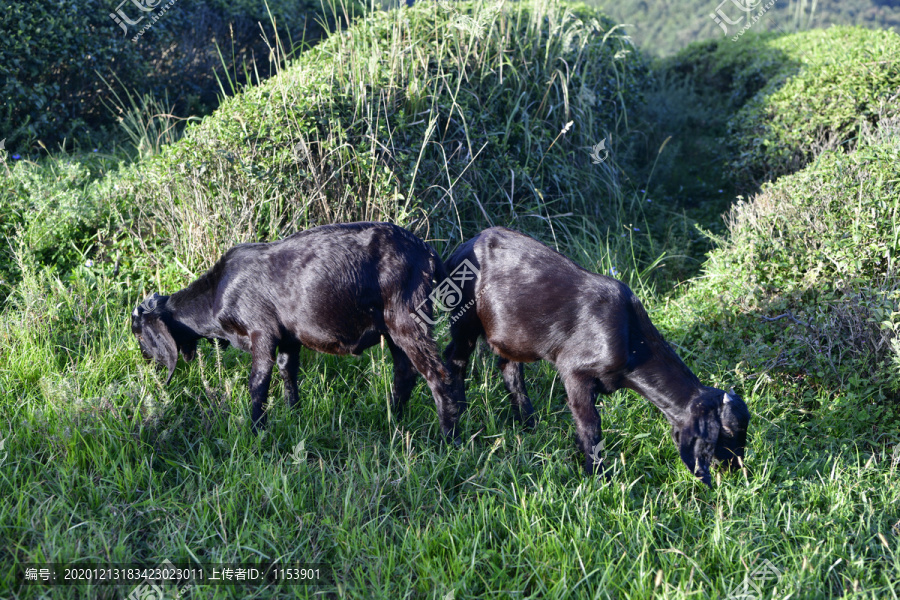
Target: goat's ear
pixel 159 342
pixel 697 440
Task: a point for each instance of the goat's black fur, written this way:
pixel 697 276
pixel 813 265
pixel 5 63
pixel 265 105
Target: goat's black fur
pixel 336 288
pixel 532 303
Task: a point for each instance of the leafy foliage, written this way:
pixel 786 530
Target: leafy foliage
pixel 50 212
pixel 789 97
pixel 846 79
pixel 53 55
pixel 411 116
pixel 807 282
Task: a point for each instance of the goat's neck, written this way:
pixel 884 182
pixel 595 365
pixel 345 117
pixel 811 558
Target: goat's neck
pixel 667 382
pixel 194 310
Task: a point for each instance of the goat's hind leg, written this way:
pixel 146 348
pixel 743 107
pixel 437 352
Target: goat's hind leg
pixel 464 334
pixel 514 379
pixel 289 367
pixel 457 354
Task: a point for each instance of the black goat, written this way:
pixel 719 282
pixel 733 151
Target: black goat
pixel 532 303
pixel 336 288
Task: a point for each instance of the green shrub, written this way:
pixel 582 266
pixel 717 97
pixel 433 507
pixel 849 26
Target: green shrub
pixel 690 100
pixel 847 77
pixel 731 73
pixel 50 212
pixel 789 97
pixel 807 282
pixel 440 117
pixel 52 52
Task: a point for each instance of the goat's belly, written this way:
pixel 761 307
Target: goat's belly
pixel 513 352
pixel 354 345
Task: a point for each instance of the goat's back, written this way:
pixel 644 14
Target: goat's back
pixel 365 260
pixel 534 303
pixel 333 282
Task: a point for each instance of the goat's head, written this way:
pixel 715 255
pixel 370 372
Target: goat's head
pixel 160 337
pixel 714 429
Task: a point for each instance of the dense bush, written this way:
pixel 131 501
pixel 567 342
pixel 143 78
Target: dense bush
pixel 53 54
pixel 847 79
pixel 50 212
pixel 731 73
pixel 690 101
pixel 807 283
pixel 787 98
pixel 435 117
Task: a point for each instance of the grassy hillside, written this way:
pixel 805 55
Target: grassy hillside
pixel 437 117
pixel 446 120
pixel 663 27
pixel 805 286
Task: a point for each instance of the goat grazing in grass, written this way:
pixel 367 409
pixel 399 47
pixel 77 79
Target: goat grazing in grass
pixel 336 288
pixel 532 303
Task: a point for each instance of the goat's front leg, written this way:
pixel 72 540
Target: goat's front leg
pixel 422 351
pixel 289 366
pixel 582 392
pixel 514 379
pixel 404 378
pixel 263 352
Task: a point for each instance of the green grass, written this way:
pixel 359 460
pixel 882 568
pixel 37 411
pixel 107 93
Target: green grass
pixel 104 464
pixel 99 462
